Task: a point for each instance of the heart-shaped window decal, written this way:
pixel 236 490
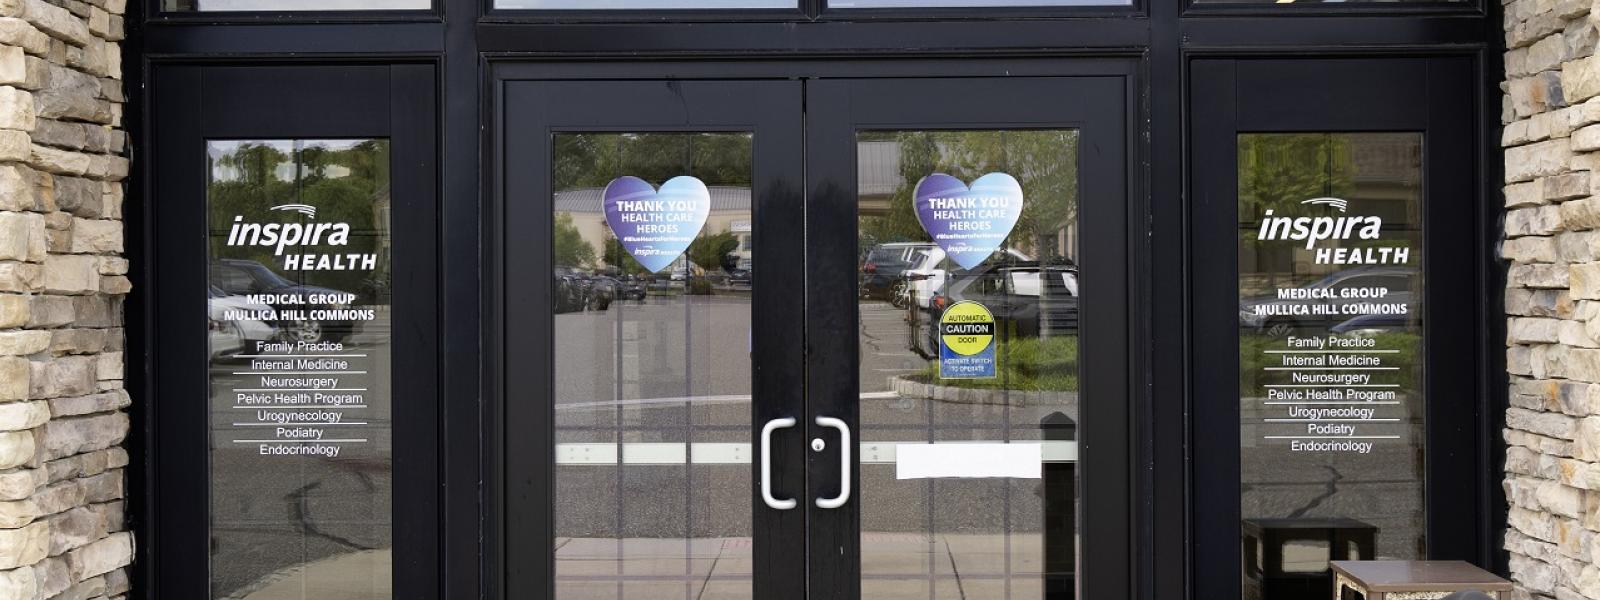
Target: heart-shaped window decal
pixel 970 223
pixel 654 225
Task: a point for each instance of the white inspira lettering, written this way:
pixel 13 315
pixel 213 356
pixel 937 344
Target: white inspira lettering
pixel 1313 230
pixel 286 238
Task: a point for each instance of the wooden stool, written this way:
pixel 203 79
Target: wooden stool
pixel 1412 580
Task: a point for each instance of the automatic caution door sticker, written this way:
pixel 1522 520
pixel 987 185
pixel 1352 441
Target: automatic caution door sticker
pixel 966 342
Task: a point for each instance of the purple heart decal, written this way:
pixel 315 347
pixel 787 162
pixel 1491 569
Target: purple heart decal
pixel 969 223
pixel 656 226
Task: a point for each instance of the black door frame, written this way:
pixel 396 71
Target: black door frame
pixel 1343 94
pixel 471 51
pixel 521 485
pixel 200 103
pixel 1109 86
pixel 1099 108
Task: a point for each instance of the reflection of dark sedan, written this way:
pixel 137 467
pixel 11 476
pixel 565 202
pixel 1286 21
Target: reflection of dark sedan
pixel 630 287
pixel 247 277
pixel 1324 303
pixel 1026 300
pixel 883 269
pixel 605 288
pixel 571 292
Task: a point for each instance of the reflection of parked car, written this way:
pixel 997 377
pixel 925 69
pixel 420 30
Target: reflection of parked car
pixel 1026 300
pixel 244 277
pixel 683 269
pixel 571 293
pixel 883 268
pixel 630 287
pixel 232 309
pixel 742 273
pixel 1322 303
pixel 224 338
pixel 1370 325
pixel 928 271
pixel 602 290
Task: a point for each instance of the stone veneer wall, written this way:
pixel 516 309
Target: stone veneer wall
pixel 62 283
pixel 1551 116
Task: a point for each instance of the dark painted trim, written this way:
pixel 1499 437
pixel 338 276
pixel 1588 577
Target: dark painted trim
pixel 1344 94
pixel 205 41
pixel 1162 35
pixel 190 104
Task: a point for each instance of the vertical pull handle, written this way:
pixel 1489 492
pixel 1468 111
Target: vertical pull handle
pixel 766 464
pixel 844 463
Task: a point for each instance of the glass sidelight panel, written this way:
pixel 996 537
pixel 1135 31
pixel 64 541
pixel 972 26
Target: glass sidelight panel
pixel 652 319
pixel 969 374
pixel 1331 363
pixel 300 369
pixel 282 6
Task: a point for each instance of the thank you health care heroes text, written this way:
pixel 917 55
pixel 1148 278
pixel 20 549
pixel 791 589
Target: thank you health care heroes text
pixel 656 226
pixel 969 223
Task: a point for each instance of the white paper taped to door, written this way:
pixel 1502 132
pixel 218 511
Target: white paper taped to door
pixel 924 461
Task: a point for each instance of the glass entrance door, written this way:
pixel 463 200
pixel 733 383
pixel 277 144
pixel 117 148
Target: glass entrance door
pixel 758 352
pixel 967 327
pixel 652 309
pixel 1335 417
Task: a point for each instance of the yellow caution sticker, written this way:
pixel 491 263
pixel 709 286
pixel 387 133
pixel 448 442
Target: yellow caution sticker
pixel 966 341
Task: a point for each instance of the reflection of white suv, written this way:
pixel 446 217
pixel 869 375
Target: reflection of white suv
pixel 927 274
pixel 235 336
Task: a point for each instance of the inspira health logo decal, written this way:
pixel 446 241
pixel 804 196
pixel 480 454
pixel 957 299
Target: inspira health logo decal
pixel 288 239
pixel 1313 230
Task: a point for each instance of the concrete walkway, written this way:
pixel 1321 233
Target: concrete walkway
pixel 363 575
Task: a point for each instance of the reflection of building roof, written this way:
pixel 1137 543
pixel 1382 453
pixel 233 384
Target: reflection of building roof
pixel 878 168
pixel 589 200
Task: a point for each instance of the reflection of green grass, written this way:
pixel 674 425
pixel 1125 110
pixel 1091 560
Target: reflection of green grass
pixel 1027 364
pixel 1253 359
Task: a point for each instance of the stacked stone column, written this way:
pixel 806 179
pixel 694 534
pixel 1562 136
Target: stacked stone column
pixel 62 283
pixel 1551 116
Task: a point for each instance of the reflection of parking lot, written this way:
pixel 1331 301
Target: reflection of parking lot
pixel 674 521
pixel 282 522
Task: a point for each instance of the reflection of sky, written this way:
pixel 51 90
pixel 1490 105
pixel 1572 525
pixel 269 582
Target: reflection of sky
pixel 284 171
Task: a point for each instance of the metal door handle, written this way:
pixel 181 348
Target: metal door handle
pixel 766 464
pixel 844 463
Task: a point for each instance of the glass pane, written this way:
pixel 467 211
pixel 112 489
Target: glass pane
pixel 652 274
pixel 1314 2
pixel 299 323
pixel 970 3
pixel 640 4
pixel 969 374
pixel 1330 346
pixel 291 5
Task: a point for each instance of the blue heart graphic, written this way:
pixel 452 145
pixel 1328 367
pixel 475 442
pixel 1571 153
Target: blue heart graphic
pixel 656 226
pixel 969 223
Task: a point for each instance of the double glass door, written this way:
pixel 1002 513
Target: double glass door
pixel 825 338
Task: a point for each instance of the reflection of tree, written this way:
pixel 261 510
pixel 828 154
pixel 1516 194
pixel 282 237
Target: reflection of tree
pixel 919 157
pixel 569 248
pixel 617 256
pixel 252 177
pixel 594 159
pixel 711 251
pixel 1045 163
pixel 1278 171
